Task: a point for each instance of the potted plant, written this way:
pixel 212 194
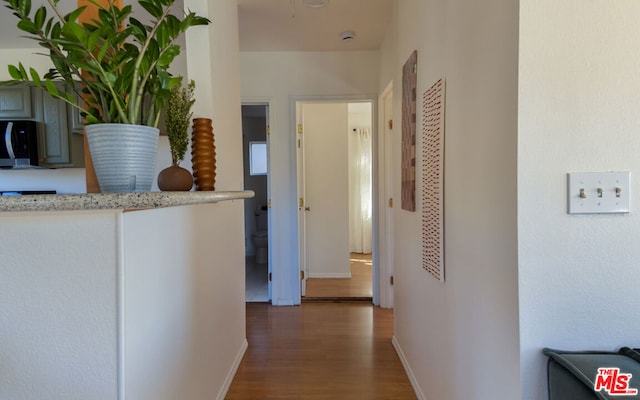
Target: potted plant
pixel 176 120
pixel 114 68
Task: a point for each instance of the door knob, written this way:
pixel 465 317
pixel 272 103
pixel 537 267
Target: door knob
pixel 307 208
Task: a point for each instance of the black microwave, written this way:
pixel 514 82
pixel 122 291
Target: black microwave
pixel 18 143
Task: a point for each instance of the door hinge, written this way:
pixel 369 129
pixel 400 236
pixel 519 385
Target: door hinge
pixel 390 124
pixel 390 202
pixel 391 280
pixel 301 202
pixel 298 143
pixel 301 275
pixel 300 129
pixel 268 130
pixel 269 203
pixel 270 276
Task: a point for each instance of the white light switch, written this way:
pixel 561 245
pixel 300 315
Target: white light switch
pixel 598 192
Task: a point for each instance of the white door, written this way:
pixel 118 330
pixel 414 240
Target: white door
pixel 325 195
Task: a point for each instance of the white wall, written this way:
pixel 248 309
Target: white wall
pixel 459 339
pixel 579 91
pixel 26 56
pixel 280 78
pixel 213 62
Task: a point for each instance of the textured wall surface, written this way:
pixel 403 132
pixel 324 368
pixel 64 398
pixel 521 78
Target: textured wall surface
pixel 578 94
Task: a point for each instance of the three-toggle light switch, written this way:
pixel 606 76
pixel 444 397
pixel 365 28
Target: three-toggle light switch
pixel 598 192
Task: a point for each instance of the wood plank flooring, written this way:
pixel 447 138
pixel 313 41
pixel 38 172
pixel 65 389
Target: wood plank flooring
pixel 337 351
pixel 359 286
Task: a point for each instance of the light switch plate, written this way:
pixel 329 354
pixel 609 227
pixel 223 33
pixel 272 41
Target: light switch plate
pixel 598 192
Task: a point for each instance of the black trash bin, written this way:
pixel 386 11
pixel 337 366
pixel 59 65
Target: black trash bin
pixel 593 375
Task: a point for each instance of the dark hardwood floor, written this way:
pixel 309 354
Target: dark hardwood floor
pixel 337 351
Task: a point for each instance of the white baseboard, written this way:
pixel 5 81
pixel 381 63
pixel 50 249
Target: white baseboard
pixel 232 372
pixel 284 302
pixel 412 378
pixel 324 275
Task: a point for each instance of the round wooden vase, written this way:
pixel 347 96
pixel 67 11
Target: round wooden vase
pixel 203 154
pixel 175 179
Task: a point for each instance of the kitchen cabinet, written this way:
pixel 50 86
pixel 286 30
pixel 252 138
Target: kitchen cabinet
pixel 76 124
pixel 15 102
pixel 53 129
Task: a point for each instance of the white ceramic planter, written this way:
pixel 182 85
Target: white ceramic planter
pixel 124 156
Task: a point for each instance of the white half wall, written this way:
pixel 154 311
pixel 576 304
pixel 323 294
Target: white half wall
pixel 184 310
pixel 110 305
pixel 579 91
pixel 58 315
pixel 283 77
pixel 458 336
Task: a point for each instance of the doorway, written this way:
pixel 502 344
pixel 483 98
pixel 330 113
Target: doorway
pixel 335 175
pixel 255 127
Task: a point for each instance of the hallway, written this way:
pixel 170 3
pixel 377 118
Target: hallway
pixel 320 351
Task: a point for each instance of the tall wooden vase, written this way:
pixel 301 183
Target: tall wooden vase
pixel 203 154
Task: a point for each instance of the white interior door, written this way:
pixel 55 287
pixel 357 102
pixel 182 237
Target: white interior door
pixel 325 190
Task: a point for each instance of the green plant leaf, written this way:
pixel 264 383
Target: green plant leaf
pixel 25 7
pixel 137 28
pixel 168 55
pixel 152 8
pixel 47 29
pixel 14 72
pixel 23 72
pixel 39 17
pixel 162 36
pixel 93 41
pixel 27 26
pixel 51 88
pixel 74 31
pixel 73 15
pixel 35 77
pixel 56 31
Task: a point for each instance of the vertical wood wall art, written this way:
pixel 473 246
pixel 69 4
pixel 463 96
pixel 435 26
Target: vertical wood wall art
pixel 433 180
pixel 408 167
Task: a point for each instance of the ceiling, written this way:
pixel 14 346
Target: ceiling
pixel 277 25
pixel 289 25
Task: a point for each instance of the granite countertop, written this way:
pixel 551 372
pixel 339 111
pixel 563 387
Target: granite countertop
pixel 106 201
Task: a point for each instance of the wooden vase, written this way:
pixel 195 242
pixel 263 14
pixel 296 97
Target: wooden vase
pixel 175 179
pixel 203 154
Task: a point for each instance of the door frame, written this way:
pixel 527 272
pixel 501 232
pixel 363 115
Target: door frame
pixel 268 103
pixel 296 120
pixel 385 212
